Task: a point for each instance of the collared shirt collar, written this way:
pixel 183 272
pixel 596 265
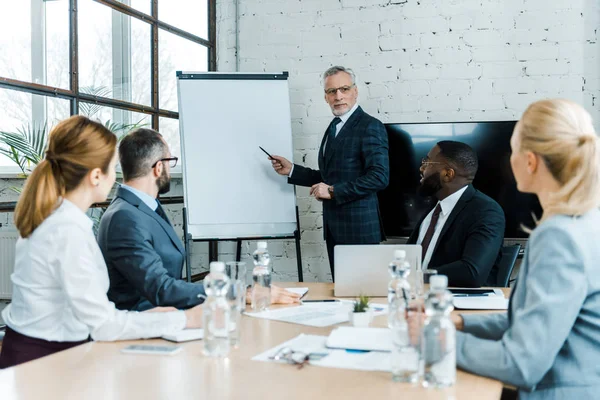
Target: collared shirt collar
pixel 145 197
pixel 449 202
pixel 346 116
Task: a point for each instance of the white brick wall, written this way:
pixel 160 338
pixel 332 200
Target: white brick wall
pixel 415 61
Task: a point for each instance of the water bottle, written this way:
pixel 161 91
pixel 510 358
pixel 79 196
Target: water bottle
pixel 216 317
pixel 399 287
pixel 439 335
pixel 405 359
pixel 261 278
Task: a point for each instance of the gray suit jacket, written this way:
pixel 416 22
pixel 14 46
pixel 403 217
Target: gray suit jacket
pixel 548 344
pixel 144 257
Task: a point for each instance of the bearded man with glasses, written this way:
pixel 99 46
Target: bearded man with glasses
pixel 353 167
pixel 461 237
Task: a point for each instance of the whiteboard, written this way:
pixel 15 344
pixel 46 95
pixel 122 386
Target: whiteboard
pixel 230 187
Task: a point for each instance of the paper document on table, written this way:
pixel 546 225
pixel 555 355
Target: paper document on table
pixel 480 303
pixel 299 290
pixel 347 337
pixel 331 358
pixel 316 314
pixel 311 314
pixel 185 335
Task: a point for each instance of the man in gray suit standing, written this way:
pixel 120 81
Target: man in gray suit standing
pixel 143 253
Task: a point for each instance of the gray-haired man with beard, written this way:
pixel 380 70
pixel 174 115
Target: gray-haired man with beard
pixel 143 253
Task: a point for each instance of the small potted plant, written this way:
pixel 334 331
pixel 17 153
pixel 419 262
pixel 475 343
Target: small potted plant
pixel 360 315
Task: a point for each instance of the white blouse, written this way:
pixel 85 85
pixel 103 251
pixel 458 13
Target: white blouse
pixel 60 284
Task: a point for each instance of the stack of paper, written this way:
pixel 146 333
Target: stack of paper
pixel 332 358
pixel 316 314
pixel 371 339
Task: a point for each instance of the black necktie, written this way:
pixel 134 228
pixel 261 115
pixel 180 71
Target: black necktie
pixel 430 230
pixel 160 211
pixel 331 134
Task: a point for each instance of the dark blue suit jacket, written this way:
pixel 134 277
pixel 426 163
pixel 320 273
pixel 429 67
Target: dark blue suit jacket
pixel 144 257
pixel 468 249
pixel 358 167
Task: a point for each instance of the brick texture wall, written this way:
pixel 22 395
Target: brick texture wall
pixel 415 60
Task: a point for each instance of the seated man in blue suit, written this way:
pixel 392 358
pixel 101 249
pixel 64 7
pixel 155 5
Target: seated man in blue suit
pixel 143 253
pixel 462 235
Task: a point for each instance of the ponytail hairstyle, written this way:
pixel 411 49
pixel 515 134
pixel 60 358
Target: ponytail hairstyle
pixel 76 146
pixel 562 134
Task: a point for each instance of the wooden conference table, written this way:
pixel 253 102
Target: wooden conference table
pixel 101 371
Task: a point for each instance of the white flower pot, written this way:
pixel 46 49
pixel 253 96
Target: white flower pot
pixel 360 319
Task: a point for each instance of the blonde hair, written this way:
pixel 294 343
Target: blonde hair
pixel 562 134
pixel 75 146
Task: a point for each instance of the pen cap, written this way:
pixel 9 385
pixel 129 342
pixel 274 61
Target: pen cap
pixel 399 254
pixel 261 245
pixel 217 266
pixel 438 282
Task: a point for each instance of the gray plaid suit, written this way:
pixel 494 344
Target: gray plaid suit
pixel 358 167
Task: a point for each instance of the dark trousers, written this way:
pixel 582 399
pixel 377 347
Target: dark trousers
pixel 331 243
pixel 18 349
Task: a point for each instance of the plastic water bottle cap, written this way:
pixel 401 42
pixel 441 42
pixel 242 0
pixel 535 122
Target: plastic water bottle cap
pixel 400 254
pixel 438 282
pixel 261 245
pixel 217 266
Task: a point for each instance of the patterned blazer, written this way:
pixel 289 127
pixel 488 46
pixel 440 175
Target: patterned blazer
pixel 358 167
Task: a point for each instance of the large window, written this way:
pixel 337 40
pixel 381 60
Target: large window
pixel 114 61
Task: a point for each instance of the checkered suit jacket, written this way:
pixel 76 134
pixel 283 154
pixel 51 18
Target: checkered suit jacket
pixel 358 167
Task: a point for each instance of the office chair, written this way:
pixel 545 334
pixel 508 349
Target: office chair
pixel 507 263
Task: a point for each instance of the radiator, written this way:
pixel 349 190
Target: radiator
pixel 7 262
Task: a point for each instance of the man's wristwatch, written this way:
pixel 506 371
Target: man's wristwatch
pixel 330 190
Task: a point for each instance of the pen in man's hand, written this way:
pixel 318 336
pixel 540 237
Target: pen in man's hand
pixel 320 301
pixel 270 156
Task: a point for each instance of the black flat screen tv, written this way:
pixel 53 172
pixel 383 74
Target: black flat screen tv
pixel 401 206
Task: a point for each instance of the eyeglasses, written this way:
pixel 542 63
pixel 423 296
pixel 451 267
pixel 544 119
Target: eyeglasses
pixel 298 358
pixel 172 161
pixel 426 162
pixel 343 90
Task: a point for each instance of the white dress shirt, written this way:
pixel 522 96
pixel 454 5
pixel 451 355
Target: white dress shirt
pixel 344 118
pixel 447 206
pixel 60 283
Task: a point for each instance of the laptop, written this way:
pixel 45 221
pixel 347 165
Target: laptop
pixel 363 268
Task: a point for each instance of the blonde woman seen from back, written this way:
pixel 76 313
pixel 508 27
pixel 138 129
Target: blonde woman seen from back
pixel 548 342
pixel 60 279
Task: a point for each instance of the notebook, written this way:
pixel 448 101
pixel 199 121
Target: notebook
pixel 369 339
pixel 480 303
pixel 185 335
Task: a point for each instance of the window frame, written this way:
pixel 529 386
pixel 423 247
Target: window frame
pixel 74 95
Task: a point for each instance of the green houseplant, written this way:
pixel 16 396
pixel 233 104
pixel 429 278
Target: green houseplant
pixel 361 314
